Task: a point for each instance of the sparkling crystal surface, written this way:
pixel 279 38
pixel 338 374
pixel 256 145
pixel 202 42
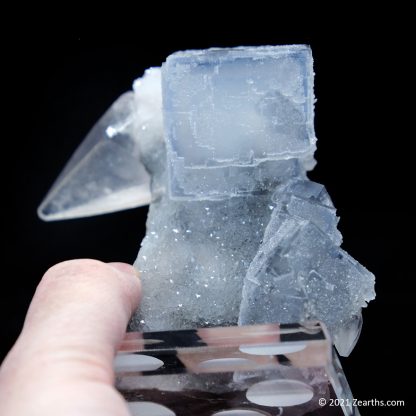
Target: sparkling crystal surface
pixel 299 270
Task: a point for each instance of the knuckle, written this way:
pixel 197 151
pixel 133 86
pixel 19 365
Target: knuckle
pixel 79 268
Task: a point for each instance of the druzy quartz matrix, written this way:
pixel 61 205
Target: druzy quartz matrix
pixel 219 142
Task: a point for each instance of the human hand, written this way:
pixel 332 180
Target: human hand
pixel 62 362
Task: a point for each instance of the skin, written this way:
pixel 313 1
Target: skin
pixel 62 362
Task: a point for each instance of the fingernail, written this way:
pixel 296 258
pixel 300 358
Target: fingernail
pixel 124 268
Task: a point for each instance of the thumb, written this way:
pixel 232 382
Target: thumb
pixel 62 363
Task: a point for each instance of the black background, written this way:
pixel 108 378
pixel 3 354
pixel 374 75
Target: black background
pixel 63 84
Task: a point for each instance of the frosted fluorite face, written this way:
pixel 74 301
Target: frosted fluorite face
pixel 232 114
pixel 220 141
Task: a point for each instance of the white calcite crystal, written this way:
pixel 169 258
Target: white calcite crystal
pixel 220 141
pixel 106 173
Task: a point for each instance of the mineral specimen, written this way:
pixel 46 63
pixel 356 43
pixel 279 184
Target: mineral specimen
pixel 236 233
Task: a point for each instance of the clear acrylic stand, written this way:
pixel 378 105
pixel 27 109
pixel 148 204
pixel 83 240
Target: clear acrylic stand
pixel 261 370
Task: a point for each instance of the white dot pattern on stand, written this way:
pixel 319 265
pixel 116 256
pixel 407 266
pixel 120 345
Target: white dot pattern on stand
pixel 136 362
pixel 279 393
pixel 149 409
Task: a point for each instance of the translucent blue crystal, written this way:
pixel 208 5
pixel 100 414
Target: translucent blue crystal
pixel 232 115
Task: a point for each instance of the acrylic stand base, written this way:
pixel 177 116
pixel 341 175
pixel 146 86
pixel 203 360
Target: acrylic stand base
pixel 261 370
